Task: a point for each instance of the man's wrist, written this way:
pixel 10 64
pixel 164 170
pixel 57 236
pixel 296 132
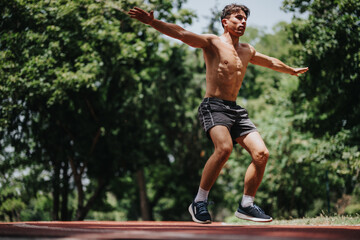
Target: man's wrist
pixel 151 22
pixel 292 71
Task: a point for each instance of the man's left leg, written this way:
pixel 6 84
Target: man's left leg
pixel 255 145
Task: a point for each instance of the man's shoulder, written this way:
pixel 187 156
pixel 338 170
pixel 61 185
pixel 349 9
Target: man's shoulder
pixel 212 39
pixel 246 45
pixel 210 36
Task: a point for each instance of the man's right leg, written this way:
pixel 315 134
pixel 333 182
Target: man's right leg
pixel 223 146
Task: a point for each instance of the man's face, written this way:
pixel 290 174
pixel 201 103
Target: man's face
pixel 236 23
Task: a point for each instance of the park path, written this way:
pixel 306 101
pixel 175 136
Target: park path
pixel 170 230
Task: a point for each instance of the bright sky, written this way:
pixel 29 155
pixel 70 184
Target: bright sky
pixel 263 13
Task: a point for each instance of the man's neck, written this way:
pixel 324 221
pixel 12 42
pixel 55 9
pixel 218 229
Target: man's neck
pixel 230 39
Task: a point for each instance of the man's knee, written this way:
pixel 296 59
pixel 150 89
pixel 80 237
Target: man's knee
pixel 261 157
pixel 224 150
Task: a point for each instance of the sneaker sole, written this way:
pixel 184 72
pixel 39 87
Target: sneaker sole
pixel 194 218
pixel 249 218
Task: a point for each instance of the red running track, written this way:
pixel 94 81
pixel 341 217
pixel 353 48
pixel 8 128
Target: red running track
pixel 170 230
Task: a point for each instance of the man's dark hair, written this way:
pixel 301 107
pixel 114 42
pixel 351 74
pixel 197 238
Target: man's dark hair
pixel 234 8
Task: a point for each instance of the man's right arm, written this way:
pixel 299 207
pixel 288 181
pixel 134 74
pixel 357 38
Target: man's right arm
pixel 172 30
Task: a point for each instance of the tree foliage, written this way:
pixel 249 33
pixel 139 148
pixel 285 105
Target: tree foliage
pixel 87 94
pixel 327 102
pixel 327 99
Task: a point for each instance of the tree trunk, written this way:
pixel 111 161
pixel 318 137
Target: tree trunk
pixel 56 190
pixel 79 187
pixel 65 193
pixel 144 205
pixel 81 214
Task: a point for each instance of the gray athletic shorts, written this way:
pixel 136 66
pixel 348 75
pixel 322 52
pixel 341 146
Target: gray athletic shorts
pixel 214 111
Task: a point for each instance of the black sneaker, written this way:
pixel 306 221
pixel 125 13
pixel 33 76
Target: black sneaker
pixel 252 213
pixel 199 212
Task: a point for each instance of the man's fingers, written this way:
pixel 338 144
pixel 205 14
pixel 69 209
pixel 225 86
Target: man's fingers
pixel 302 70
pixel 140 10
pixel 132 12
pixel 299 71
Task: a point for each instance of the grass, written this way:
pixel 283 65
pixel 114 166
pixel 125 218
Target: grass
pixel 317 221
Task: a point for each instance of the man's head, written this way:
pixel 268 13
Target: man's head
pixel 233 8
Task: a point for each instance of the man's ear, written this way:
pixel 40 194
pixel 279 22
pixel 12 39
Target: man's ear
pixel 224 22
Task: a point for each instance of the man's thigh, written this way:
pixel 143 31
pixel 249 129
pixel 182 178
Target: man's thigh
pixel 220 135
pixel 252 142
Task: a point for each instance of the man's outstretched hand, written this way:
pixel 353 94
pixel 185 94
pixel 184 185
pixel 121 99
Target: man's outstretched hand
pixel 141 15
pixel 298 71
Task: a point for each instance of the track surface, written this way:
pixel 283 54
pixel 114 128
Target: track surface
pixel 170 230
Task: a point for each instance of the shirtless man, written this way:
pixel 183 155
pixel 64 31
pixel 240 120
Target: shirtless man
pixel 225 122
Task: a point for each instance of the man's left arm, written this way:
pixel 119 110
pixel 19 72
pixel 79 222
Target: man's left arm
pixel 276 64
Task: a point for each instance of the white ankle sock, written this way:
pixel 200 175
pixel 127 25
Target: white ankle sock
pixel 202 195
pixel 247 201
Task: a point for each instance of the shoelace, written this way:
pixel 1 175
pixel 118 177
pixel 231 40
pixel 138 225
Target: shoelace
pixel 202 206
pixel 258 209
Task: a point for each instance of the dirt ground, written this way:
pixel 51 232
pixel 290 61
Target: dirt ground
pixel 170 230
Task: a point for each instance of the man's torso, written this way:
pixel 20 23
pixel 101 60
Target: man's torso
pixel 225 68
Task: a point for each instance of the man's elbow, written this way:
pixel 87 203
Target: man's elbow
pixel 181 35
pixel 278 65
pixel 274 63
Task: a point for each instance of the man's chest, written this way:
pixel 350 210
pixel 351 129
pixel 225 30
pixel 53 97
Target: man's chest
pixel 233 59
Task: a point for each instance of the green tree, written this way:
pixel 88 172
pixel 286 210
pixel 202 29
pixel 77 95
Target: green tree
pixel 327 102
pixel 327 99
pixel 88 98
